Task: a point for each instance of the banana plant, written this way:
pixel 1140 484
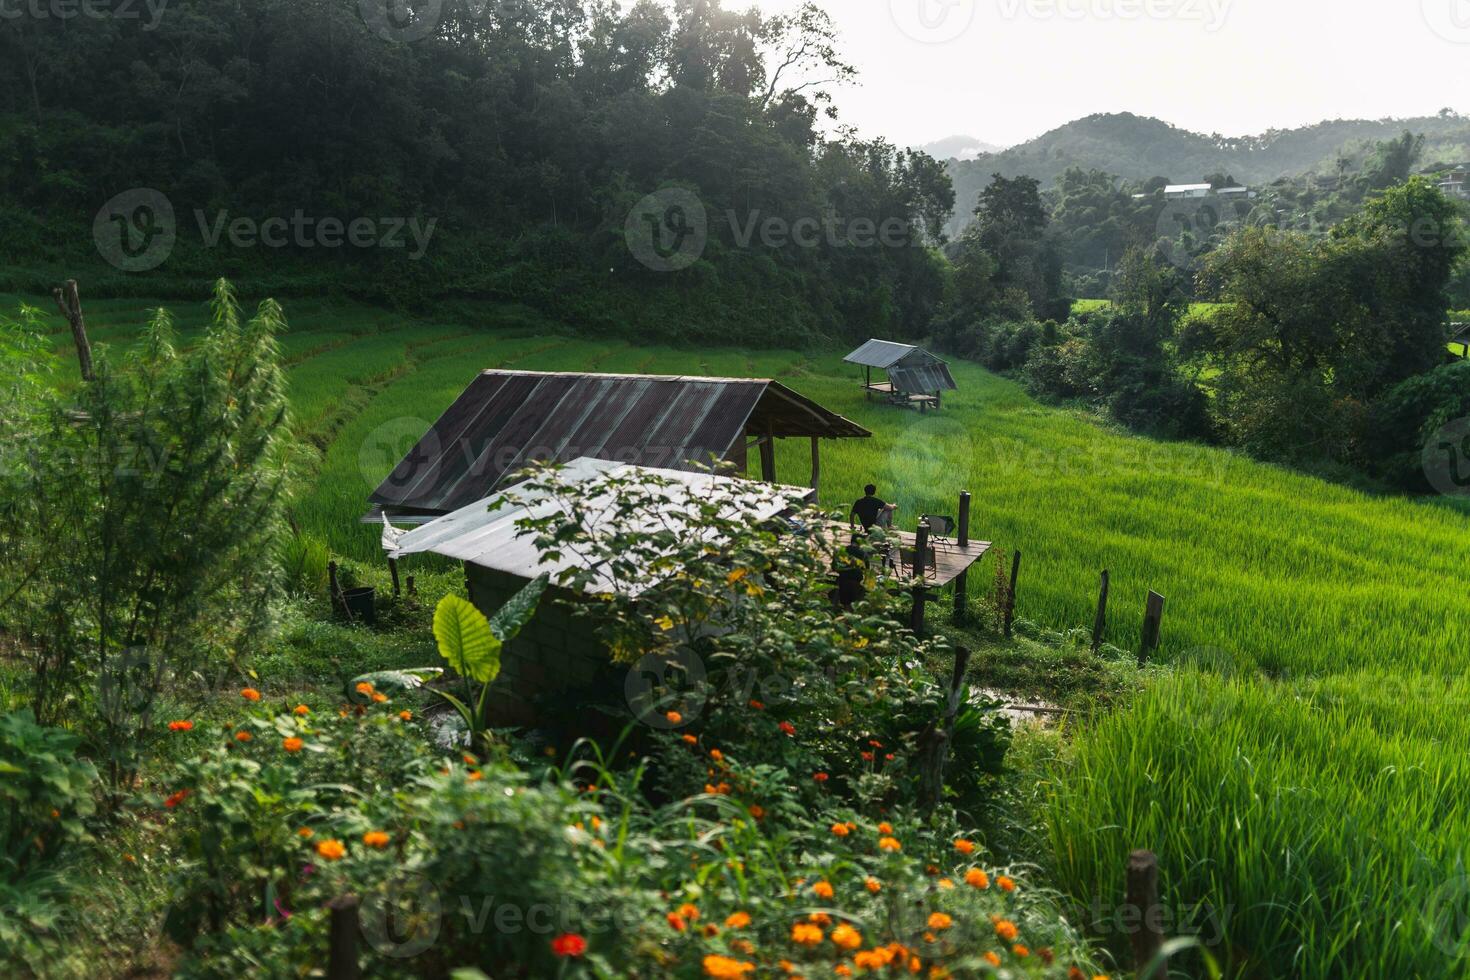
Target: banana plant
pixel 471 645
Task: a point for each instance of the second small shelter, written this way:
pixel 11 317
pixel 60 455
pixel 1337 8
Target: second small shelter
pixel 915 376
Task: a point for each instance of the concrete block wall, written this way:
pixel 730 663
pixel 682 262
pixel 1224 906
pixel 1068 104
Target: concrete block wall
pixel 553 653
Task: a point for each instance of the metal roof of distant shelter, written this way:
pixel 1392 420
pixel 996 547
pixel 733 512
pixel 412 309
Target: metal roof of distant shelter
pixel 506 420
pixel 881 353
pixel 492 538
pixel 910 368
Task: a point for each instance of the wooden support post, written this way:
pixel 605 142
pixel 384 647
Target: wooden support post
pixel 1153 620
pixel 816 463
pixel 1100 623
pixel 342 939
pixel 867 384
pixel 69 301
pixel 768 458
pixel 1143 914
pixel 962 583
pixel 393 570
pixel 921 594
pixel 1011 592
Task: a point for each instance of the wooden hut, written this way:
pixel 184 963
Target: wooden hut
pixel 506 420
pixel 915 377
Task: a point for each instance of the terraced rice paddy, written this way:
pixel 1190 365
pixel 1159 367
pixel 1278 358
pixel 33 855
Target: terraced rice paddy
pixel 1307 776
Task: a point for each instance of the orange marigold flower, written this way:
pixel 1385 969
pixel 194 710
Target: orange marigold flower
pixel 690 740
pixel 376 838
pixel 842 970
pixel 710 930
pixel 738 920
pixel 1021 951
pixel 380 698
pixel 250 694
pixel 743 946
pixel 568 944
pixel 889 844
pixel 364 688
pixel 873 885
pixel 1005 884
pixel 757 811
pixel 915 965
pixel 301 710
pixel 945 883
pixel 243 736
pixel 976 878
pixel 180 726
pixel 406 715
pixel 332 850
pixel 964 846
pixel 846 937
pixel 726 968
pixel 823 889
pixel 689 912
pixel 717 755
pixel 992 959
pixel 1006 929
pixel 292 744
pixel 885 828
pixel 468 759
pixel 938 921
pixel 820 918
pixel 787 728
pixel 840 829
pixel 475 776
pixel 676 921
pixel 305 833
pixel 674 718
pixel 806 934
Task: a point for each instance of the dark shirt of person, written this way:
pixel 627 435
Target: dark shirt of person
pixel 867 510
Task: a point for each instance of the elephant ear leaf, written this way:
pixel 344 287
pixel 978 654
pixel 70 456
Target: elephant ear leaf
pixel 516 613
pixel 465 639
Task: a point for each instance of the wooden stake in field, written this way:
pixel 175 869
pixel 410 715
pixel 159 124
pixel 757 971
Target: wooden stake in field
pixel 962 584
pixel 342 939
pixel 1143 914
pixel 1011 592
pixel 1153 620
pixel 69 302
pixel 1101 622
pixel 921 595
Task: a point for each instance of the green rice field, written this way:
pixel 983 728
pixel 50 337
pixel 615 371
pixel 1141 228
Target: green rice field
pixel 1305 769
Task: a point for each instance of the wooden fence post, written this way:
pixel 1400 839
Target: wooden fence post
pixel 962 584
pixel 1143 911
pixel 1153 619
pixel 1101 622
pixel 342 939
pixel 393 570
pixel 1011 592
pixel 921 595
pixel 768 458
pixel 69 301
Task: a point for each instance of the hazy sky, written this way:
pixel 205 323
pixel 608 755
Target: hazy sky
pixel 1007 70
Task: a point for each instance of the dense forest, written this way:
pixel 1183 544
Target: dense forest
pixel 516 141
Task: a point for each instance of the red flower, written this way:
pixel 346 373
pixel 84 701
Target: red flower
pixel 175 799
pixel 180 726
pixel 569 944
pixel 788 728
pixel 820 777
pixel 867 757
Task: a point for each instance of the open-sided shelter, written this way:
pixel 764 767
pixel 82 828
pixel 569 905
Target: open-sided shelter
pixel 507 420
pixel 915 376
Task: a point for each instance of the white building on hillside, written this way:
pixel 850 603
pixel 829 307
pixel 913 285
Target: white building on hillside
pixel 1177 192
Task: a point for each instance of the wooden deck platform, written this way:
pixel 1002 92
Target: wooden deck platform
pixel 951 560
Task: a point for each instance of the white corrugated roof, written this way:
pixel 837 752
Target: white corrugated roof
pixel 492 538
pixel 1181 188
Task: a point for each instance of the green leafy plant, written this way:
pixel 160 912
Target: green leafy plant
pixel 45 792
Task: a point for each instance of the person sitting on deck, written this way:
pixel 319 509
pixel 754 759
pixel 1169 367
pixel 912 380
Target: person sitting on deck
pixel 868 509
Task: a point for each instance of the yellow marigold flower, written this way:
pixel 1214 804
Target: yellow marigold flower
pixel 890 844
pixel 964 846
pixel 301 710
pixel 1006 929
pixel 846 937
pixel 938 921
pixel 976 878
pixel 1005 884
pixel 945 883
pixel 250 694
pixel 243 736
pixel 726 968
pixel 292 744
pixel 873 885
pixel 332 850
pixel 738 920
pixel 806 934
pixel 376 838
pixel 664 623
pixel 886 829
pixel 364 688
pixel 840 829
pixel 736 575
pixel 823 889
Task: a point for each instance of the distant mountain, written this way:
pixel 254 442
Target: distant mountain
pixel 959 148
pixel 1137 148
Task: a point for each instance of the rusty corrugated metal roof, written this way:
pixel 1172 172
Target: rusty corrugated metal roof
pixel 507 419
